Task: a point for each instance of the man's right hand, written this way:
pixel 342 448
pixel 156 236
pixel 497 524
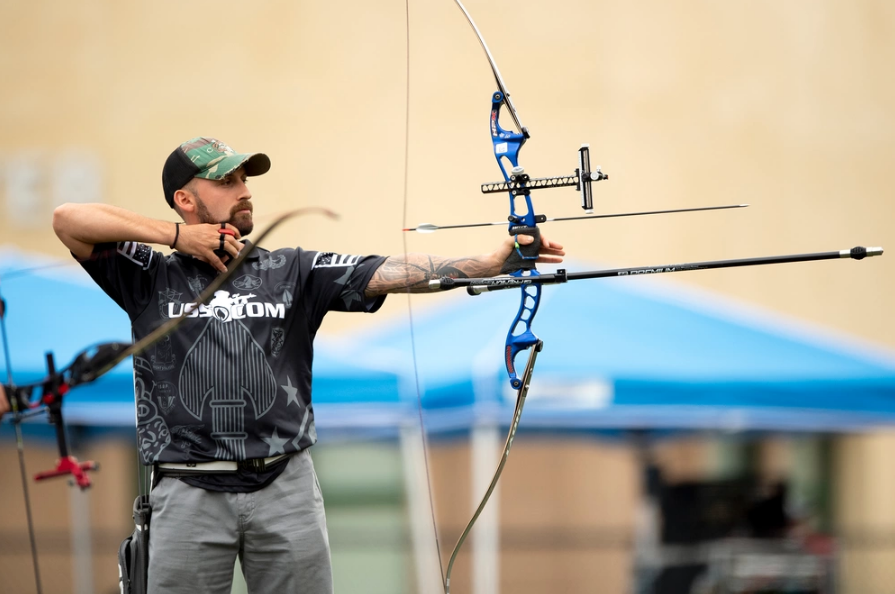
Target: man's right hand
pixel 202 240
pixel 81 226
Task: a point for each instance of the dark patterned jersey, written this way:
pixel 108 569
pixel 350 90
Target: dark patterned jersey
pixel 233 381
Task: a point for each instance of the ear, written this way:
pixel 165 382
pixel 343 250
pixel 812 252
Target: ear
pixel 185 201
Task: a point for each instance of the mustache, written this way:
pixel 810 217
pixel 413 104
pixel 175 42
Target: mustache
pixel 243 206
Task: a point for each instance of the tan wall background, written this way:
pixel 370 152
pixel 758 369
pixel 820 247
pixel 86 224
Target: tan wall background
pixel 787 106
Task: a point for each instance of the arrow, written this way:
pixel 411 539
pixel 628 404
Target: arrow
pixel 430 228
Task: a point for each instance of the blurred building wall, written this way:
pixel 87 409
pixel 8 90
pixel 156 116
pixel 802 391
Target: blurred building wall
pixel 786 106
pixel 105 509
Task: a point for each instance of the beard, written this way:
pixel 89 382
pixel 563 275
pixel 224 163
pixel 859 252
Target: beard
pixel 243 221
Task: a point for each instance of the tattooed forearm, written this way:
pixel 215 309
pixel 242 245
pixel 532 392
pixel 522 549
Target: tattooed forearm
pixel 412 272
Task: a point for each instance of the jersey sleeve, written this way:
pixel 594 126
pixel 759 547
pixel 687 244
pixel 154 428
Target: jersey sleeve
pixel 126 272
pixel 336 282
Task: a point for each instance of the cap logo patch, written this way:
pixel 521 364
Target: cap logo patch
pixel 222 148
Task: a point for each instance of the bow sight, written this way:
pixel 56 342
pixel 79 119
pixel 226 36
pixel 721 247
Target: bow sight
pixel 507 145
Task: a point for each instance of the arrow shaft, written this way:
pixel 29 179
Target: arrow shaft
pixel 428 228
pixel 648 212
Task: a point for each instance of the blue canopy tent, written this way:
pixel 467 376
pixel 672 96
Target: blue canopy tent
pixel 638 353
pixel 57 307
pixel 619 353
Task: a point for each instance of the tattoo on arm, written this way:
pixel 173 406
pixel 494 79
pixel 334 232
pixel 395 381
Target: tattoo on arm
pixel 399 274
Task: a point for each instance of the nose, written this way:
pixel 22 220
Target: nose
pixel 244 192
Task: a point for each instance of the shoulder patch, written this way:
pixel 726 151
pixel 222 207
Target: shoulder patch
pixel 332 260
pixel 138 253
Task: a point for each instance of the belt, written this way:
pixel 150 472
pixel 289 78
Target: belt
pixel 256 464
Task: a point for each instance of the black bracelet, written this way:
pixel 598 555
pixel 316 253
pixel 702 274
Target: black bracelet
pixel 176 235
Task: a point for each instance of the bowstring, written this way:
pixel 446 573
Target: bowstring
pixel 20 447
pixel 416 374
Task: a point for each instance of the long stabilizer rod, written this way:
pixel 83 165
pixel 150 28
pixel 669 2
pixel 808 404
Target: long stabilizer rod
pixel 476 286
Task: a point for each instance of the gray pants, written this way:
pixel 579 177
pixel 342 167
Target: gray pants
pixel 278 533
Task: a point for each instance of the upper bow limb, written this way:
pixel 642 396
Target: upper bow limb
pixel 399 274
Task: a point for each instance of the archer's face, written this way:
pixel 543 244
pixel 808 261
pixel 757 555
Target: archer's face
pixel 227 200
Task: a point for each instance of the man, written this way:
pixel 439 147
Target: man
pixel 224 402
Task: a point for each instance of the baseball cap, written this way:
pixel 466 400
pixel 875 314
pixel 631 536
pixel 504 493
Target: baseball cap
pixel 207 158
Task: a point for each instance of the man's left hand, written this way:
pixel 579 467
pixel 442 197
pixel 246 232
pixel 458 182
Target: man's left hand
pixel 550 252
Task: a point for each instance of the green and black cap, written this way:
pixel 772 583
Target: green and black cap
pixel 207 158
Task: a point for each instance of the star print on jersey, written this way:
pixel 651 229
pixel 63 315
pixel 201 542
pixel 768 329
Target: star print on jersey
pixel 276 443
pixel 344 278
pixel 291 392
pixel 348 296
pixel 241 365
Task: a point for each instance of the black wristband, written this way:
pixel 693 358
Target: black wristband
pixel 176 235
